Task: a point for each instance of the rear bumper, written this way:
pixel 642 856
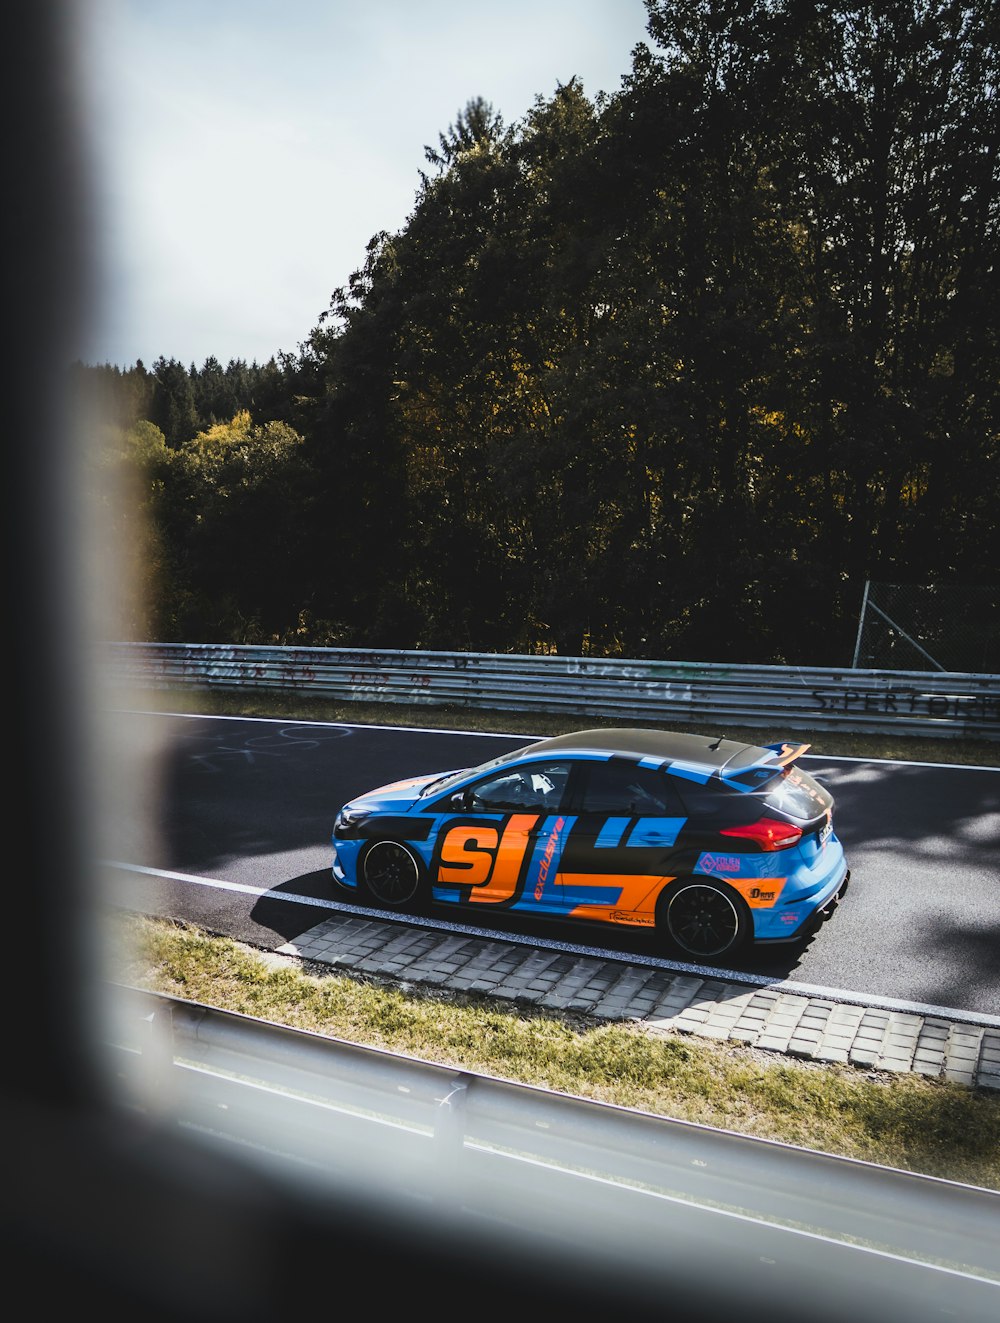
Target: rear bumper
pixel 814 921
pixel 825 910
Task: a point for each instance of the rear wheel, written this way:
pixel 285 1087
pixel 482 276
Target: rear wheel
pixel 392 875
pixel 702 918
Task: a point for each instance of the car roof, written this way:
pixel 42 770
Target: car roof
pixel 712 752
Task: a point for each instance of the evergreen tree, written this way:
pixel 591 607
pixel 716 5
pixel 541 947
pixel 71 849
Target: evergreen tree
pixel 172 407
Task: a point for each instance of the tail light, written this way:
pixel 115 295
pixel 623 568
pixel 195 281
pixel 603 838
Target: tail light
pixel 768 833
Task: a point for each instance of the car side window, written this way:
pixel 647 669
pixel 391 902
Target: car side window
pixel 626 788
pixel 535 786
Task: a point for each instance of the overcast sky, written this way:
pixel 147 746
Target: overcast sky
pixel 243 152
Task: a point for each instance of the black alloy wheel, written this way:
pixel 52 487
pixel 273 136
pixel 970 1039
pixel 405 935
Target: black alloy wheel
pixel 392 875
pixel 704 919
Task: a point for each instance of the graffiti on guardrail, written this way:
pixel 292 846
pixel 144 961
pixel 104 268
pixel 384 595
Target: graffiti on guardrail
pixel 909 701
pixel 382 680
pixel 670 693
pixel 928 703
pixel 366 680
pixel 612 670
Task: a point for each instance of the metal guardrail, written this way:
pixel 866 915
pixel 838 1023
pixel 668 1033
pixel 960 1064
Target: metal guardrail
pixel 937 704
pixel 661 1207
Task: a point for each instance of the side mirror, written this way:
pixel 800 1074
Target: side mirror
pixel 460 800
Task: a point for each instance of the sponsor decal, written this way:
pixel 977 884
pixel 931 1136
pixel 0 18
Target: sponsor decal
pixel 632 918
pixel 760 893
pixel 548 854
pixel 719 863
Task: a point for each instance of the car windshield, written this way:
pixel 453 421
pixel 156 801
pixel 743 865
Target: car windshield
pixel 442 783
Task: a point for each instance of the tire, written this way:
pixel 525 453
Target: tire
pixel 703 919
pixel 392 876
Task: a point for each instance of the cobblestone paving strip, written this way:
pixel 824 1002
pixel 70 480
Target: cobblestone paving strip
pixel 811 1028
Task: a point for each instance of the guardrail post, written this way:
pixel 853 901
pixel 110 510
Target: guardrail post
pixel 153 1077
pixel 449 1140
pixel 449 1132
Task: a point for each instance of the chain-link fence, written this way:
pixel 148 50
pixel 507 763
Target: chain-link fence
pixel 929 627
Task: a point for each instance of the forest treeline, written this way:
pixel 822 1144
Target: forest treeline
pixel 664 373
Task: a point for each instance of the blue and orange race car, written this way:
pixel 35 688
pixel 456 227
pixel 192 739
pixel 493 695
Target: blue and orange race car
pixel 709 842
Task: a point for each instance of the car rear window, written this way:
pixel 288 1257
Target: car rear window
pixel 795 792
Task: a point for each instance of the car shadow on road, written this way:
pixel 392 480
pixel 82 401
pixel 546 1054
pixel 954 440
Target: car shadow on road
pixel 277 909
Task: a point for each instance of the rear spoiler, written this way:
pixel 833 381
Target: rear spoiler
pixel 787 753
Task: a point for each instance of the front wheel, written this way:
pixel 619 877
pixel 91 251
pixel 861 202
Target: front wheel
pixel 392 875
pixel 701 918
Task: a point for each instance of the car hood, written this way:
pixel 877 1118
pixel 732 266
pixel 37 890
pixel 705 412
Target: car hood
pixel 396 796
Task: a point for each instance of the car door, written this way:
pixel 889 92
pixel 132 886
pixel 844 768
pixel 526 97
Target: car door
pixel 628 818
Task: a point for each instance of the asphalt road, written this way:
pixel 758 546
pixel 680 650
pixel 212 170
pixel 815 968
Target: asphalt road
pixel 222 820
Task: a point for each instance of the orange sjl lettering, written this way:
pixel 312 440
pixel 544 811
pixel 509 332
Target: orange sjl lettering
pixel 469 850
pixel 473 856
